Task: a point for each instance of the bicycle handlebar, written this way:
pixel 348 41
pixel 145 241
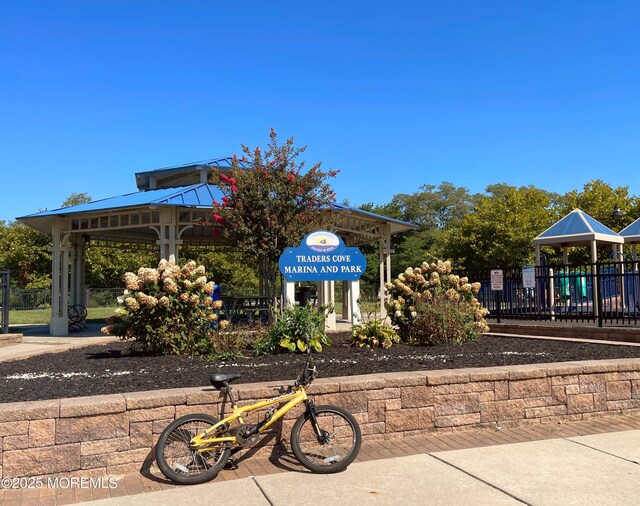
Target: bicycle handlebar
pixel 309 370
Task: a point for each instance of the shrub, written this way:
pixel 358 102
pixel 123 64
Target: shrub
pixel 431 305
pixel 230 344
pixel 374 333
pixel 289 329
pixel 441 321
pixel 167 310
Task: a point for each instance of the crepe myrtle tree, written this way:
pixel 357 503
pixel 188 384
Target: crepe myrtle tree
pixel 272 205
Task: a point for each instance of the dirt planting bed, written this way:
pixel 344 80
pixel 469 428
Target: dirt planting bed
pixel 104 369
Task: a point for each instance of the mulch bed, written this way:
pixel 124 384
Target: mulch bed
pixel 101 369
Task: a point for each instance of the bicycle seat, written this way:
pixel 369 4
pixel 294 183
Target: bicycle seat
pixel 218 381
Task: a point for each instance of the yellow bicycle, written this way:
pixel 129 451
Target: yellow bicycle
pixel 194 448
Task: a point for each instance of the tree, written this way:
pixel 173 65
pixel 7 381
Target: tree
pixel 106 265
pixel 272 205
pixel 76 199
pixel 598 199
pixel 229 268
pixel 437 210
pixel 25 252
pixel 500 229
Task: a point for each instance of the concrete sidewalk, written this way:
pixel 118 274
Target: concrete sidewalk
pixel 591 461
pixel 597 469
pixel 37 341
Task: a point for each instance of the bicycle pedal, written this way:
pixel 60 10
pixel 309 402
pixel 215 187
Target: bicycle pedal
pixel 231 465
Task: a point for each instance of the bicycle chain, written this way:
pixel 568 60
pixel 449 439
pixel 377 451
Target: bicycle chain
pixel 241 435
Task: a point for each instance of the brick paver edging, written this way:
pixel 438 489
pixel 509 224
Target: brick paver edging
pixel 113 435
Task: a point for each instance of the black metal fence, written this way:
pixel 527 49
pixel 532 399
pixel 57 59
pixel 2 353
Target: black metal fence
pixel 4 302
pixel 601 292
pixel 40 298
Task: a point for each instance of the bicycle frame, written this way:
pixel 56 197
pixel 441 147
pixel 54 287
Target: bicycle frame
pixel 202 442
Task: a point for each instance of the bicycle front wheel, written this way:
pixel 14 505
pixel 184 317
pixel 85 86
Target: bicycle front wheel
pixel 179 462
pixel 335 446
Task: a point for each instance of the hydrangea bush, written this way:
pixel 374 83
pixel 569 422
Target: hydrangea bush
pixel 167 310
pixel 429 305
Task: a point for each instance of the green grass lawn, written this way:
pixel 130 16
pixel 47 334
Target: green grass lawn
pixel 34 316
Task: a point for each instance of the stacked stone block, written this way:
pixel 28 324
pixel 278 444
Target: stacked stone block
pixel 113 435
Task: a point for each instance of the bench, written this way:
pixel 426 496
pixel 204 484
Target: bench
pixel 77 315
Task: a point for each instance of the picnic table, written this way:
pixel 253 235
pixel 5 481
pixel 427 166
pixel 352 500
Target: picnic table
pixel 247 309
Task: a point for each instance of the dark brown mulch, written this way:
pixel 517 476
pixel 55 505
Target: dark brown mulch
pixel 99 370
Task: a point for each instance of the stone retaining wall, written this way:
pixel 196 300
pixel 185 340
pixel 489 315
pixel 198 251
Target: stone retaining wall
pixel 113 435
pixel 8 339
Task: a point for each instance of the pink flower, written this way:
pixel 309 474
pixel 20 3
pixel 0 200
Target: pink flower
pixel 234 188
pixel 290 178
pixel 223 177
pixel 232 180
pixel 215 232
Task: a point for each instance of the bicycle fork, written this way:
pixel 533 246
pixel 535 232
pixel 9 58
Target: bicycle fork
pixel 322 435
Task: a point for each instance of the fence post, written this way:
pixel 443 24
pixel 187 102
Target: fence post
pixel 552 295
pixel 597 294
pixel 5 298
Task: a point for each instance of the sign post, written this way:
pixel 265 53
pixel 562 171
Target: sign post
pixel 497 285
pixel 323 256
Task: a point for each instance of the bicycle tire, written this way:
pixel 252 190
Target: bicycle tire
pixel 338 451
pixel 181 464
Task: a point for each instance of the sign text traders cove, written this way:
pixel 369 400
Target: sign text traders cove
pixel 322 256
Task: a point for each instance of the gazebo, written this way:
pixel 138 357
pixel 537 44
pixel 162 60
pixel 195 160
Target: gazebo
pixel 165 213
pixel 578 229
pixel 631 235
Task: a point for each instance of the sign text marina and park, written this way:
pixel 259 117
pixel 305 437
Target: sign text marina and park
pixel 322 256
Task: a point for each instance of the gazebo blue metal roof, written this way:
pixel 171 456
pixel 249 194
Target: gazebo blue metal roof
pixel 631 233
pixel 577 228
pixel 195 195
pixel 182 175
pixel 198 196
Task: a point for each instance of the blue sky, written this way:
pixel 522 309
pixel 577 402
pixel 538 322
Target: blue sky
pixel 396 95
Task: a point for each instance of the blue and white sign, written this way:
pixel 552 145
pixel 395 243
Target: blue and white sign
pixel 322 256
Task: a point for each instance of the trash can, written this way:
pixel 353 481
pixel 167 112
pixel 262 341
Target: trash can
pixel 304 295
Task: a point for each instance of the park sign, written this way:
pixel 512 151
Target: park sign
pixel 322 256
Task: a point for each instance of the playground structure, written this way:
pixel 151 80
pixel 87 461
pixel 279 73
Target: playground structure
pixel 605 292
pixel 602 291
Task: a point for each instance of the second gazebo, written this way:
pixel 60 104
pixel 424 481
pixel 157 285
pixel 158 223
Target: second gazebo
pixel 578 229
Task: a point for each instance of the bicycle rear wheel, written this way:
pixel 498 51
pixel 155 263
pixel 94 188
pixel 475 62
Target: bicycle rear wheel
pixel 334 448
pixel 180 463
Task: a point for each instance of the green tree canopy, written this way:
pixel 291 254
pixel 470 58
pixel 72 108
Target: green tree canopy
pixel 500 229
pixel 598 199
pixel 25 252
pixel 75 199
